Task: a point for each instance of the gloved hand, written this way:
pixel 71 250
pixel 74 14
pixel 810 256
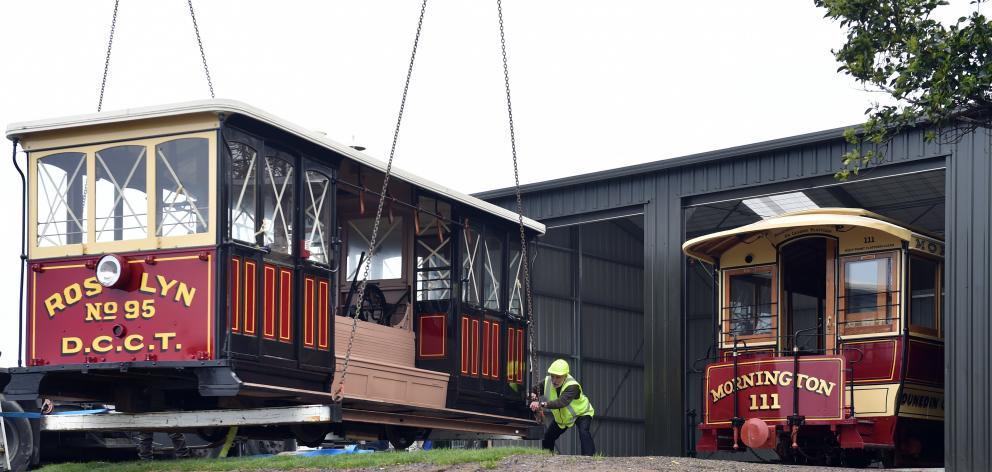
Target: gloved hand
pixel 534 406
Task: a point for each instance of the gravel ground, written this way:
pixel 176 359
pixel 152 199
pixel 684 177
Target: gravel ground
pixel 613 464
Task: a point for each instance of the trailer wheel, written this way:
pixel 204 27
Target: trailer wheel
pixel 20 440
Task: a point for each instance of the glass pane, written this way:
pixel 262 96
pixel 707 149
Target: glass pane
pixel 492 274
pixel 516 278
pixel 923 300
pixel 242 192
pixel 433 250
pixel 472 263
pixel 121 193
pixel 62 203
pixel 388 263
pixel 750 304
pixel 182 183
pixel 317 217
pixel 277 204
pixel 868 289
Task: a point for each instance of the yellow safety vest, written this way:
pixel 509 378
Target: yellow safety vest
pixel 565 417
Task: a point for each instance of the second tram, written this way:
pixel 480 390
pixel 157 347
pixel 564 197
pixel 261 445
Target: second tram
pixel 830 344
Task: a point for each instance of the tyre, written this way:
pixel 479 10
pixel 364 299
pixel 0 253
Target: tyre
pixel 20 440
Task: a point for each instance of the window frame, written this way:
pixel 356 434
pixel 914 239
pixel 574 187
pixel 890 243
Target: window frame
pixel 893 326
pixel 915 329
pixel 762 339
pixel 151 241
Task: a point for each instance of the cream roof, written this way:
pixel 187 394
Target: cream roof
pixel 708 248
pixel 16 130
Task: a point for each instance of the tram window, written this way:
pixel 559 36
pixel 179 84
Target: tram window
pixel 388 260
pixel 433 250
pixel 317 216
pixel 472 264
pixel 923 299
pixel 121 193
pixel 181 180
pixel 277 203
pixel 516 275
pixel 749 309
pixel 492 273
pixel 244 167
pixel 869 294
pixel 61 195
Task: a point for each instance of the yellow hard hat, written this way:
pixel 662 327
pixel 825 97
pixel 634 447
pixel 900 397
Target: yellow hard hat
pixel 558 367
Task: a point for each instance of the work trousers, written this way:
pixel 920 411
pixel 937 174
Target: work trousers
pixel 582 423
pixel 145 445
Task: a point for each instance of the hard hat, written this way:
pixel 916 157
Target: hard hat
pixel 558 367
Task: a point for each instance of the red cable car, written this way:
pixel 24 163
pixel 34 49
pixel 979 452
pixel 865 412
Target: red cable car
pixel 206 254
pixel 829 343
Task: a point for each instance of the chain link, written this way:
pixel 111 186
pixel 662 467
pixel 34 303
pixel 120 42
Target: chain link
pixel 378 213
pixel 106 62
pixel 528 310
pixel 199 41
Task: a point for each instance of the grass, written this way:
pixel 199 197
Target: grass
pixel 487 457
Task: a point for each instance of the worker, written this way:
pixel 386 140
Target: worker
pixel 563 395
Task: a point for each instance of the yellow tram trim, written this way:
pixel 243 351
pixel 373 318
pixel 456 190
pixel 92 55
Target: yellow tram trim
pixel 704 247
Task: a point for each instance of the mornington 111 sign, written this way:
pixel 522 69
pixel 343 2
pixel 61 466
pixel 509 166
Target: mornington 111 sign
pixel 766 388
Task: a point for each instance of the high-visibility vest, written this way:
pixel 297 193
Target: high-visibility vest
pixel 565 417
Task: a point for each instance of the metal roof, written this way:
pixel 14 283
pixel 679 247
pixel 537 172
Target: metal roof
pixel 15 130
pixel 671 163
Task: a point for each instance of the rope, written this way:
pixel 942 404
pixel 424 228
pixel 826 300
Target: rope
pixel 199 41
pixel 378 212
pixel 106 61
pixel 524 260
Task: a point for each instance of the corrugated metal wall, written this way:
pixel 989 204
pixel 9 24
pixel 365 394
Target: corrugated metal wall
pixel 968 358
pixel 663 187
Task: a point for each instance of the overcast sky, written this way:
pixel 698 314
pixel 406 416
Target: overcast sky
pixel 596 84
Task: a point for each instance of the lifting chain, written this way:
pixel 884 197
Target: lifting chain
pixel 106 62
pixel 378 213
pixel 524 260
pixel 203 57
pixel 110 45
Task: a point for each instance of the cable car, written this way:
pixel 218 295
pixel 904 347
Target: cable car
pixel 206 255
pixel 829 342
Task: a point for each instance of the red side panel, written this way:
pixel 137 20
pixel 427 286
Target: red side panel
pixel 285 305
pixel 323 320
pixel 308 313
pixel 494 368
pixel 925 362
pixel 431 342
pixel 879 360
pixel 269 285
pixel 250 302
pixel 164 312
pixel 235 306
pixel 520 356
pixel 485 348
pixel 475 347
pixel 464 345
pixel 511 359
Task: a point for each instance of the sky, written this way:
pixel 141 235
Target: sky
pixel 595 84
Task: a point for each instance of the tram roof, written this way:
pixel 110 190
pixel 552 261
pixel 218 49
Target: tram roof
pixel 225 106
pixel 707 248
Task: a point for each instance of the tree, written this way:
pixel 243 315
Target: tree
pixel 932 73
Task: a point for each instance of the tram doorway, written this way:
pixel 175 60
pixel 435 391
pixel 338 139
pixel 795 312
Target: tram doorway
pixel 805 293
